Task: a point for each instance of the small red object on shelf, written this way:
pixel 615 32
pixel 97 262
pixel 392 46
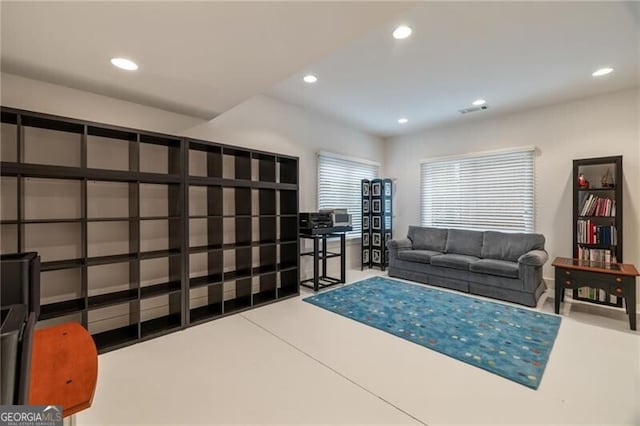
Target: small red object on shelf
pixel 582 181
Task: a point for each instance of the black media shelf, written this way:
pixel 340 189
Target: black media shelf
pixel 136 214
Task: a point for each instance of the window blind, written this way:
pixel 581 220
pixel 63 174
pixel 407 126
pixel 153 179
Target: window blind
pixel 339 185
pixel 482 192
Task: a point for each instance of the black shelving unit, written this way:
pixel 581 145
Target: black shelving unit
pixel 141 233
pixel 597 232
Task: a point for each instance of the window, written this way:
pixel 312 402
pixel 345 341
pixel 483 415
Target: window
pixel 482 191
pixel 339 185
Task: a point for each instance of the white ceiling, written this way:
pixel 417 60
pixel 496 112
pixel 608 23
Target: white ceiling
pixel 196 58
pixel 203 58
pixel 515 55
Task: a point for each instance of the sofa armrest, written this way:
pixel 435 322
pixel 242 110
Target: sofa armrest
pixel 534 258
pixel 400 244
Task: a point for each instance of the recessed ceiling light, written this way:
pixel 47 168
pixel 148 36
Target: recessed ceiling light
pixel 125 64
pixel 602 71
pixel 403 120
pixel 402 32
pixel 310 78
pixel 478 102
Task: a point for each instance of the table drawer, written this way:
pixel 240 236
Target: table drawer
pixel 594 278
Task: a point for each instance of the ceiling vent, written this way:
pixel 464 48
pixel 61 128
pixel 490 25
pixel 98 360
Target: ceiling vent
pixel 473 109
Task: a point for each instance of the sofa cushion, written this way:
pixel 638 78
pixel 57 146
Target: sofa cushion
pixel 462 241
pixel 421 256
pixel 508 246
pixel 424 238
pixel 456 261
pixel 501 268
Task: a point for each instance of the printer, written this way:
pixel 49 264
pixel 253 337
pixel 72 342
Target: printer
pixel 339 217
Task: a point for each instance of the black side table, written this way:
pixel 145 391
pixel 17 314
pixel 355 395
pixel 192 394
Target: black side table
pixel 320 278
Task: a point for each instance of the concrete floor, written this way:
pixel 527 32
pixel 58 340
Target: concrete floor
pixel 294 363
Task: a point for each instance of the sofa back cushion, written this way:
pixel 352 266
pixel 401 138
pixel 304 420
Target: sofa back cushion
pixel 508 246
pixel 463 241
pixel 424 238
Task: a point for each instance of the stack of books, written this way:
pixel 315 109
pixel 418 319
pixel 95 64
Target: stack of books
pixel 596 206
pixel 597 295
pixel 590 233
pixel 596 255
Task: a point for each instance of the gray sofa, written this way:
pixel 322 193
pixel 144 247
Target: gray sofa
pixel 499 265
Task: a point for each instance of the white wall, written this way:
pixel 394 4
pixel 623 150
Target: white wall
pixel 592 127
pixel 34 95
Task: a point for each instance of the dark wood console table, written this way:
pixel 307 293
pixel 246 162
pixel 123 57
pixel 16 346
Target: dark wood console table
pixel 618 279
pixel 320 278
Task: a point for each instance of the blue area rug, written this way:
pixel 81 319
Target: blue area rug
pixel 511 342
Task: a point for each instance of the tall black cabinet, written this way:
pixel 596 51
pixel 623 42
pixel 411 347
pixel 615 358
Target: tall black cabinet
pixel 141 233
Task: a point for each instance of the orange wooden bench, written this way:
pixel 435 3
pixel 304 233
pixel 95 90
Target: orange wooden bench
pixel 64 368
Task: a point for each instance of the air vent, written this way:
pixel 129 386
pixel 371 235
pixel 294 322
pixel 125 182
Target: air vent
pixel 473 109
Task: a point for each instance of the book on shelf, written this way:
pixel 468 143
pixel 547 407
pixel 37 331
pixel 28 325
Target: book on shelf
pixel 590 233
pixel 596 255
pixel 597 206
pixel 598 295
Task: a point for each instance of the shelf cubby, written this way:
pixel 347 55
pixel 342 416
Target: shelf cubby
pixel 111 149
pixel 61 293
pixel 51 142
pixel 205 159
pixel 160 276
pixel 9 205
pixel 236 163
pixel 46 199
pixel 205 303
pixel 266 167
pixel 288 255
pixel 288 283
pixel 160 314
pixel 288 170
pixel 54 241
pixel 8 239
pixel 116 325
pixel 288 228
pixel 159 154
pixel 9 137
pixel 237 295
pixel 288 202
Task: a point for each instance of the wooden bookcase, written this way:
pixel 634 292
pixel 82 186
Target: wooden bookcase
pixel 598 231
pixel 140 233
